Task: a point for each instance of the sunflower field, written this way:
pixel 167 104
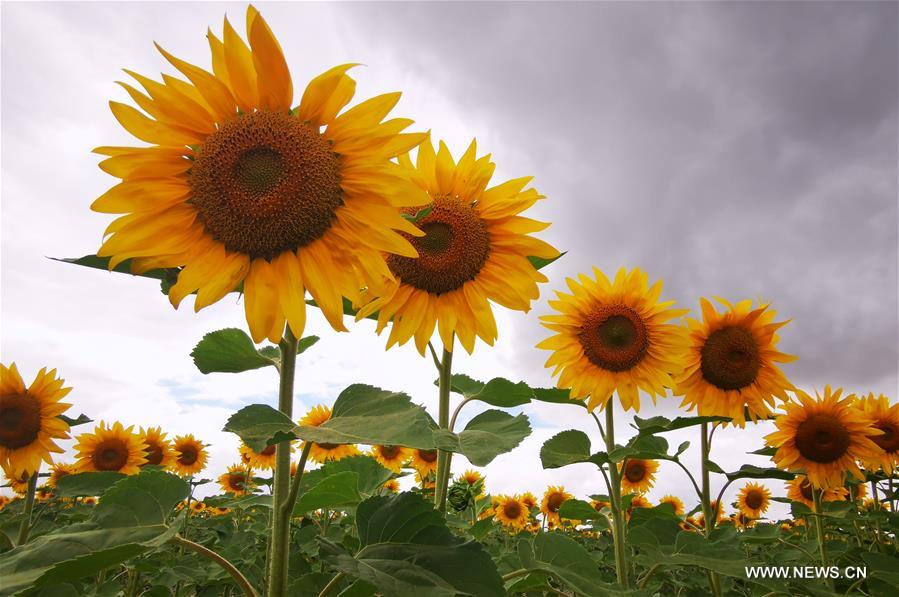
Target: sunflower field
pixel 240 190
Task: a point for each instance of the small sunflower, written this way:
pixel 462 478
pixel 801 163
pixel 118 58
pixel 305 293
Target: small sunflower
pixel 474 252
pixel 753 500
pixel 638 475
pixel 675 502
pixel 598 505
pixel 732 362
pixel 197 507
pixel 886 418
pixel 529 500
pixel 264 460
pixel 471 476
pixel 190 455
pixel 90 500
pixel 870 505
pixel 392 485
pixel 43 493
pixel 800 490
pixel 511 512
pixel 742 520
pixel 239 187
pixel 613 336
pixel 60 470
pixel 824 438
pixel 391 457
pixel 114 448
pixel 29 419
pixel 553 499
pixel 4 500
pixel 322 453
pixel 425 480
pixel 159 449
pixel 218 510
pixel 424 461
pixel 237 480
pixel 19 484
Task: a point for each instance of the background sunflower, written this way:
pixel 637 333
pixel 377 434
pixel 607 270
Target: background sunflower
pixel 110 448
pixel 190 455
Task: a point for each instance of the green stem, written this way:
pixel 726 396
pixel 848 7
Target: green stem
pixel 133 579
pixel 516 574
pixel 291 501
pixel 277 570
pixel 615 499
pixel 239 578
pixel 709 516
pixel 25 527
pixel 444 458
pixel 332 584
pixel 819 524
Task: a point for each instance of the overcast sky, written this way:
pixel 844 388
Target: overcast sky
pixel 744 150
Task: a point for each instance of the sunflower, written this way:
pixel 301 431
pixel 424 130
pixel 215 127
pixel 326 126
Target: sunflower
pixel 264 460
pixel 29 419
pixel 870 505
pixel 90 500
pixel 43 493
pixel 716 510
pixel 732 362
pixel 824 438
pixel 886 418
pixel 753 500
pixel 19 484
pixel 392 485
pixel 4 500
pixel 239 188
pixel 113 448
pixel 553 499
pixel 197 507
pixel 800 490
pixel 675 502
pixel 742 520
pixel 425 480
pixel 613 336
pixel 511 512
pixel 856 492
pixel 638 475
pixel 598 505
pixel 218 510
pixel 391 457
pixel 322 453
pixel 471 476
pixel 190 455
pixel 474 251
pixel 529 500
pixel 60 470
pixel 237 480
pixel 424 461
pixel 159 449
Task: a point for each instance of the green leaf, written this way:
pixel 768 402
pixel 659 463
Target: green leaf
pixel 883 567
pixel 407 549
pixel 766 451
pixel 82 484
pixel 339 489
pixel 496 392
pixel 144 499
pixel 557 396
pixel 260 425
pixel 228 351
pixel 124 267
pixel 714 467
pixel 81 420
pixel 574 509
pixel 371 475
pixel 541 262
pixel 568 561
pixel 489 434
pixel 274 352
pixel 655 425
pixel 748 471
pixel 568 447
pixel 421 213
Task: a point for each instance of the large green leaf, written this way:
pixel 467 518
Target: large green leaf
pixel 662 424
pixel 371 476
pixel 260 425
pixel 557 396
pixel 333 491
pixel 489 434
pixel 564 448
pixel 496 392
pixel 748 471
pixel 93 483
pixel 129 520
pixel 568 561
pixel 229 351
pixel 541 262
pixel 407 549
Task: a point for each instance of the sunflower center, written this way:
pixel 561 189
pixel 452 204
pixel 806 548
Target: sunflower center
pixel 20 420
pixel 268 451
pixel 111 455
pixel 555 502
pixel 428 455
pixel 390 451
pixel 236 481
pixel 153 454
pixel 266 183
pixel 822 438
pixel 754 499
pixel 614 337
pixel 635 472
pixel 187 455
pixel 730 358
pixel 512 509
pixel 328 446
pixel 453 250
pixel 889 441
pixel 805 488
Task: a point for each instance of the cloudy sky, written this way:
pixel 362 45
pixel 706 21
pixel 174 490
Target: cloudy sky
pixel 738 150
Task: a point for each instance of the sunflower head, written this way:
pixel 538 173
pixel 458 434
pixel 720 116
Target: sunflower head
pixel 29 419
pixel 732 362
pixel 391 457
pixel 392 486
pixel 886 418
pixel 322 453
pixel 742 520
pixel 425 479
pixel 197 507
pixel 59 471
pixel 264 460
pixel 237 480
pixel 529 500
pixel 753 500
pixel 159 449
pixel 511 512
pixel 190 455
pixel 240 187
pixel 800 490
pixel 424 461
pixel 824 437
pixel 114 448
pixel 637 475
pixel 472 250
pixel 553 499
pixel 614 336
pixel 675 502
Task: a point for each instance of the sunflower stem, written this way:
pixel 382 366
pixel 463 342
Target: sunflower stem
pixel 444 458
pixel 280 542
pixel 615 499
pixel 819 524
pixel 25 527
pixel 707 513
pixel 239 578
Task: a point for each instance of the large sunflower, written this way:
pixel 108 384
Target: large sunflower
pixel 264 460
pixel 114 448
pixel 753 500
pixel 237 480
pixel 613 335
pixel 511 512
pixel 29 419
pixel 824 438
pixel 239 188
pixel 638 475
pixel 190 455
pixel 886 418
pixel 474 250
pixel 159 449
pixel 553 499
pixel 391 457
pixel 322 453
pixel 424 461
pixel 732 362
pixel 800 490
